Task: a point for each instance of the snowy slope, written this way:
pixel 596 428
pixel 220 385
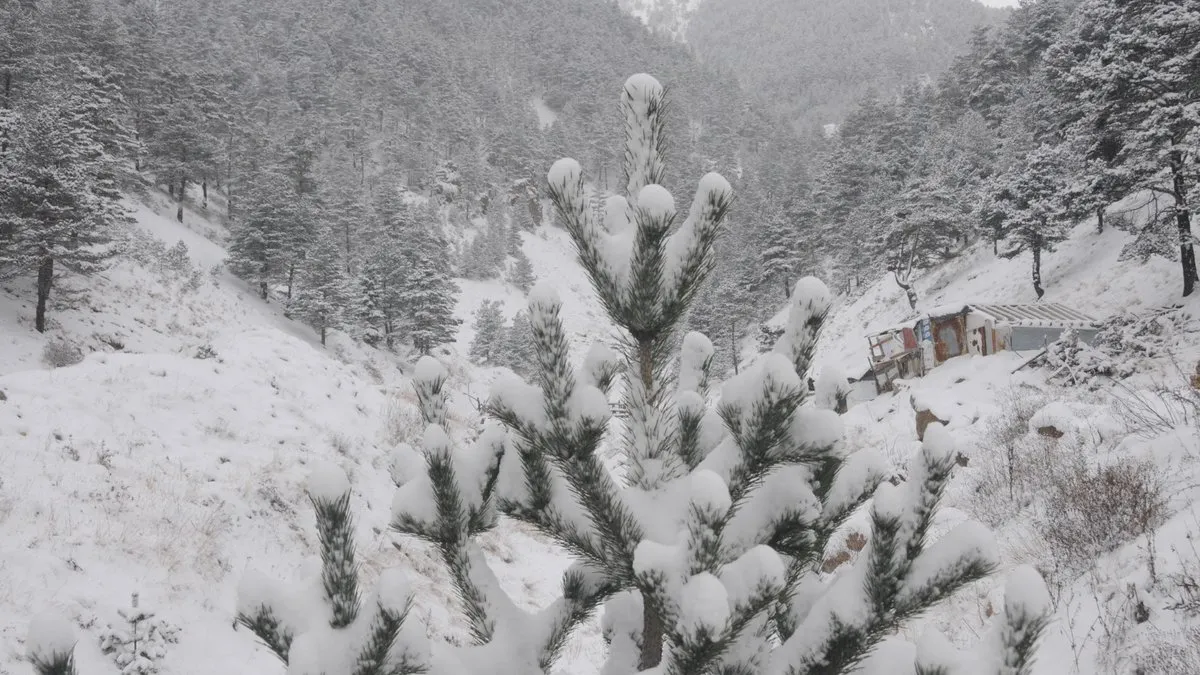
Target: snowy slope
pixel 146 469
pixel 667 17
pixel 1094 627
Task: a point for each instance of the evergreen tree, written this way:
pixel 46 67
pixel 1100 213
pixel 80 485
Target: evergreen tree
pixel 59 202
pixel 1030 194
pixel 521 274
pixel 259 246
pixel 426 293
pixel 324 288
pixel 1133 66
pixel 516 351
pixel 489 333
pixel 704 555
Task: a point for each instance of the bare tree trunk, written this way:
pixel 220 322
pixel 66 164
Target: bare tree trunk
pixel 907 287
pixel 204 189
pixel 6 104
pixel 1037 266
pixel 182 194
pixel 733 350
pixel 44 282
pixel 1100 219
pixel 1183 220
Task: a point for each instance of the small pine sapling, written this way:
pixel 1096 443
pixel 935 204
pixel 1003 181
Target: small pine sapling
pixel 138 646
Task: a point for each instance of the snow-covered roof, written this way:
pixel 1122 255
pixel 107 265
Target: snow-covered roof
pixel 1047 315
pixel 945 310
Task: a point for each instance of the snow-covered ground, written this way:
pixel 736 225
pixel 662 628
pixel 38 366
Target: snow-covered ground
pixel 1097 604
pixel 174 456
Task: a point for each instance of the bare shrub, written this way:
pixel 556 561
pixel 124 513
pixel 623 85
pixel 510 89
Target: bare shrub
pixel 1091 511
pixel 1185 583
pixel 1157 411
pixel 1012 461
pixel 341 442
pixel 402 421
pixel 61 353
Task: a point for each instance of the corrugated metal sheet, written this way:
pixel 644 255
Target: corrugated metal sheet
pixel 1049 315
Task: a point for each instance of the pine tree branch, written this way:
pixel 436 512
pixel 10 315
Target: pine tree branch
pixel 267 627
pixel 374 657
pixel 55 664
pixel 339 572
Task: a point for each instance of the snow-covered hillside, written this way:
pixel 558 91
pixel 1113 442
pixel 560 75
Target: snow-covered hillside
pixel 173 457
pixel 1121 596
pixel 667 17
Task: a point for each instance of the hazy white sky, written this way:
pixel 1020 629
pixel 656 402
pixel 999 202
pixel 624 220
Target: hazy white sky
pixel 999 3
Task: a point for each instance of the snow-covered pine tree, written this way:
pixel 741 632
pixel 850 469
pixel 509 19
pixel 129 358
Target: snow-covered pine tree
pixel 324 291
pixel 512 240
pixel 705 552
pixel 489 333
pixel 259 243
pixel 426 292
pixel 138 646
pixel 1131 65
pixel 516 349
pixel 347 635
pixel 521 275
pixel 59 203
pixel 1030 196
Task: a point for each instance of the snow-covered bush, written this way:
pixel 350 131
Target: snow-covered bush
pixel 1129 339
pixel 60 353
pixel 1073 362
pixel 140 644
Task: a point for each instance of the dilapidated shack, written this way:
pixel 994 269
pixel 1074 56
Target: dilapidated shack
pixel 982 328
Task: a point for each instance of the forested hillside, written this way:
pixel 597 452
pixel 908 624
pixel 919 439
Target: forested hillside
pixel 1047 121
pixel 810 59
pixel 314 118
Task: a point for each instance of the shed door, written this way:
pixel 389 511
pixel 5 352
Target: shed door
pixel 947 341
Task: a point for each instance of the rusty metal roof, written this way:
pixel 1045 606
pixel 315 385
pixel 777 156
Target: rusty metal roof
pixel 1042 315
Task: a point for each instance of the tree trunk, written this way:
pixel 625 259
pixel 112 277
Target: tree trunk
pixel 182 194
pixel 733 350
pixel 44 282
pixel 652 624
pixel 908 290
pixel 787 288
pixel 322 336
pixel 5 104
pixel 1037 266
pixel 1183 220
pixel 1100 219
pixel 204 189
pixel 291 279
